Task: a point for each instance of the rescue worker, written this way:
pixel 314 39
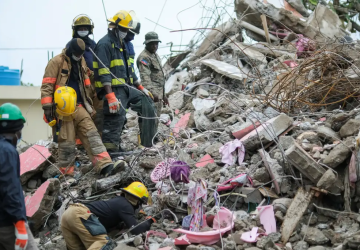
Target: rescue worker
pixel 14 231
pixel 112 52
pixel 150 69
pixel 69 69
pixel 85 226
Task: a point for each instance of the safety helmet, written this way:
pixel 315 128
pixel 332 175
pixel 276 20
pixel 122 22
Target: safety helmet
pixel 138 190
pixel 83 20
pixel 136 23
pixel 123 19
pixel 65 99
pixel 10 112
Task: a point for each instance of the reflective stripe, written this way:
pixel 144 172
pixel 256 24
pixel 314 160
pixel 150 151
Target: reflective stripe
pixel 100 157
pixel 46 100
pixel 116 82
pixel 95 65
pixel 98 84
pixel 113 45
pixel 109 145
pixel 103 71
pixel 116 62
pixel 131 80
pixel 51 80
pixel 131 60
pixel 87 82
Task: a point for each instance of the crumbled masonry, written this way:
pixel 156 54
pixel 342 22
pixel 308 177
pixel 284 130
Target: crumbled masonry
pixel 292 103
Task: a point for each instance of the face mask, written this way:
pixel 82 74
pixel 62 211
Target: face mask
pixel 83 33
pixel 75 57
pixel 18 140
pixel 121 34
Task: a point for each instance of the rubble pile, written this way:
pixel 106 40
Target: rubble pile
pixel 269 129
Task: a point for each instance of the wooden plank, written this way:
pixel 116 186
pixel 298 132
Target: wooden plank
pixel 267 192
pixel 296 210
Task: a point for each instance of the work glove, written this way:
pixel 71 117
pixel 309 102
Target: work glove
pixel 48 115
pixel 114 104
pixel 150 218
pixel 21 235
pixel 145 91
pixel 166 101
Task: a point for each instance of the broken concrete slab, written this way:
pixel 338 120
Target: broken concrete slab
pixel 200 103
pixel 40 204
pixel 295 212
pixel 338 154
pixel 327 180
pixel 225 69
pixel 327 133
pixel 351 127
pixel 299 6
pixel 282 204
pixel 266 132
pixel 300 159
pixel 33 161
pixel 313 236
pixel 276 172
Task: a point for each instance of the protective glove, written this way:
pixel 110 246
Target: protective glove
pixel 114 104
pixel 145 91
pixel 21 235
pixel 48 115
pixel 150 217
pixel 166 101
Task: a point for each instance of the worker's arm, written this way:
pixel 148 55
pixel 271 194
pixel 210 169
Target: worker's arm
pixel 103 52
pixel 48 83
pixel 143 65
pixel 11 193
pixel 128 217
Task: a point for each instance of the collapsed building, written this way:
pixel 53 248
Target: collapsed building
pixel 270 128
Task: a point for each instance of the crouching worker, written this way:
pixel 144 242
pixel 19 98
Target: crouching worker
pixel 65 78
pixel 85 226
pixel 14 231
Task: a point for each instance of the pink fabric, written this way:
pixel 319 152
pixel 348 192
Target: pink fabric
pixel 267 218
pixel 234 182
pixel 204 161
pixel 210 237
pixel 181 124
pixel 352 169
pixel 304 44
pixel 251 236
pixel 161 171
pixel 228 152
pixel 182 241
pixel 196 197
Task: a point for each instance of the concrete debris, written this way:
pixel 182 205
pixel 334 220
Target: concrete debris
pixel 224 69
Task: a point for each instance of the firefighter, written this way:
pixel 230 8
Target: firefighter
pixel 85 226
pixel 112 54
pixel 14 231
pixel 151 73
pixel 65 75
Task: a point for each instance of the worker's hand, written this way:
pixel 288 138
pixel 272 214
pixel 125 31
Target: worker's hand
pixel 114 104
pixel 150 217
pixel 21 235
pixel 166 101
pixel 48 115
pixel 146 92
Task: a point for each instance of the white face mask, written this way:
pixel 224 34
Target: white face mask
pixel 121 34
pixel 75 57
pixel 83 33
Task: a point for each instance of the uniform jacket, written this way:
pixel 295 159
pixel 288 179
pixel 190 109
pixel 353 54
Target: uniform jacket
pixel 131 52
pixel 12 208
pixel 113 54
pixel 57 75
pixel 150 70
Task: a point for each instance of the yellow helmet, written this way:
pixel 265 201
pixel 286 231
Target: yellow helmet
pixel 65 99
pixel 83 20
pixel 123 19
pixel 138 190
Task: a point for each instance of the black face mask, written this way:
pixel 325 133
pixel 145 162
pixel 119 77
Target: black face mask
pixel 129 36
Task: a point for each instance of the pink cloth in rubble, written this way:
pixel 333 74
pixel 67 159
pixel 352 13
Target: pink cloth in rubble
pixel 352 169
pixel 304 44
pixel 228 152
pixel 196 197
pixel 267 218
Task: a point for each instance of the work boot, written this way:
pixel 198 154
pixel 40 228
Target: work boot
pixel 113 168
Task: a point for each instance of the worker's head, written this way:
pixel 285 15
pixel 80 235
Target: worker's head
pixel 82 26
pixel 136 193
pixel 75 49
pixel 152 42
pixel 11 122
pixel 121 22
